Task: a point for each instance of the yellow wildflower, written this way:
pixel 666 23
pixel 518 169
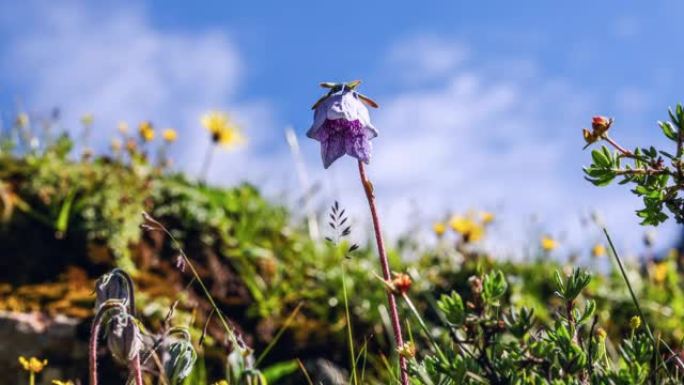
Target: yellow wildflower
pixel 222 382
pixel 635 322
pixel 122 127
pixel 223 131
pixel 146 131
pixel 659 272
pixel 598 250
pixel 87 119
pixel 439 228
pixel 469 229
pixel 475 234
pixel 460 224
pixel 170 135
pixel 487 217
pixel 33 364
pixel 548 244
pixel 22 120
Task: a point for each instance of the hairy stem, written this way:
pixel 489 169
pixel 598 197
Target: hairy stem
pixel 621 149
pixel 137 372
pixel 94 332
pixel 394 314
pixel 92 348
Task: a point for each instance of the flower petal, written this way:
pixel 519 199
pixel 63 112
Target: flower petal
pixel 359 147
pixel 332 149
pixel 319 118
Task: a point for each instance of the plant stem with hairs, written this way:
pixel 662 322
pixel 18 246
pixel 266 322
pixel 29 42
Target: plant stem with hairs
pixel 394 314
pixel 95 331
pixel 137 372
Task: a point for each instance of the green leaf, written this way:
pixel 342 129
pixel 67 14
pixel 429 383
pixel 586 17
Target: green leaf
pixel 494 286
pixel 62 222
pixel 600 158
pixel 280 370
pixel 452 307
pixel 668 130
pixel 589 311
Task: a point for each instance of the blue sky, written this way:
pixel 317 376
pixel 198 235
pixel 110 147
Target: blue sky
pixel 481 104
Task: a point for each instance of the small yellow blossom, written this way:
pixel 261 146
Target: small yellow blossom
pixel 33 364
pixel 223 131
pixel 548 244
pixel 22 120
pixel 170 135
pixel 146 131
pixel 487 217
pixel 660 270
pixel 122 127
pixel 87 119
pixel 467 227
pixel 635 322
pixel 222 382
pixel 598 250
pixel 476 233
pixel 460 224
pixel 439 228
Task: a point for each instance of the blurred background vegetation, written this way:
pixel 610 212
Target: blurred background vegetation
pixel 68 216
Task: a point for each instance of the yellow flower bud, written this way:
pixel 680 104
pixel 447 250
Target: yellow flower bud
pixel 548 244
pixel 598 250
pixel 170 135
pixel 146 131
pixel 635 322
pixel 439 228
pixel 601 333
pixel 407 350
pixel 487 217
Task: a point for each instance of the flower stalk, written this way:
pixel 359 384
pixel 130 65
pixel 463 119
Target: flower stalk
pixel 384 262
pixel 137 371
pixel 102 311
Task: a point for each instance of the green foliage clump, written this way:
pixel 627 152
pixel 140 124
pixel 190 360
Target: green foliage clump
pixel 487 342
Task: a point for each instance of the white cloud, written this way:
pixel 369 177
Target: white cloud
pixel 422 57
